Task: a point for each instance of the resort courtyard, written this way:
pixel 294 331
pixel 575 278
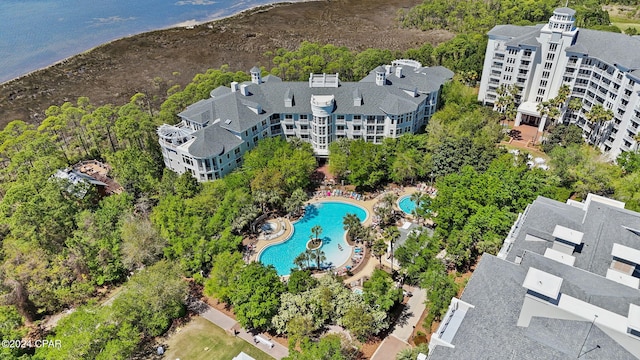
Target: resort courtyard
pixel 282 239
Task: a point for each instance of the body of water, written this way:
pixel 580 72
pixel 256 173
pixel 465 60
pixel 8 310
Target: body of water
pixel 38 33
pixel 329 215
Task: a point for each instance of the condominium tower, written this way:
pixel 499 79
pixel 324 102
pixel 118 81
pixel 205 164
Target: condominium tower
pixel 599 68
pixel 214 133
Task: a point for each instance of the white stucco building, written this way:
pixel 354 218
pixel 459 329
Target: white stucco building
pixel 213 134
pixel 599 67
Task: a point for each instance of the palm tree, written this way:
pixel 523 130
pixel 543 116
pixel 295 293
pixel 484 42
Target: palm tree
pixel 385 210
pixel 597 116
pixel 636 138
pixel 574 105
pixel 352 225
pixel 563 94
pixel 297 199
pixel 391 235
pixel 301 259
pixel 366 235
pixel 316 231
pixel 379 249
pixel 416 197
pixel 389 199
pixel 319 256
pixel 308 257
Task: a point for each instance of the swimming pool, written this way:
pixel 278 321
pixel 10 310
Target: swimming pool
pixel 329 215
pixel 406 205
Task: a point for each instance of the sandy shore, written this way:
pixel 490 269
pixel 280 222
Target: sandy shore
pixel 153 62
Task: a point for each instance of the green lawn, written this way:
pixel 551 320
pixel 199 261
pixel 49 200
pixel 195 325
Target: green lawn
pixel 624 26
pixel 200 339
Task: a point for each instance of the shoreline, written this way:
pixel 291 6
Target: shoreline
pixel 155 61
pixel 187 24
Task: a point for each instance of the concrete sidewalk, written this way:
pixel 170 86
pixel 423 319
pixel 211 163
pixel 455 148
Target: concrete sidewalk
pixel 218 318
pixel 399 338
pixel 389 348
pixel 414 309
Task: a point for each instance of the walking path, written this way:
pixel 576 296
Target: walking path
pixel 225 322
pixel 400 336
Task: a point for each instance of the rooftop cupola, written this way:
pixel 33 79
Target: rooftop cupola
pixel 381 75
pixel 563 19
pixel 256 75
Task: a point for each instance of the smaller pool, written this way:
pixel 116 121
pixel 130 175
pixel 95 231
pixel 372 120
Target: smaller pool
pixel 406 205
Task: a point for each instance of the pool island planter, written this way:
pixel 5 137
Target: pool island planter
pixel 326 246
pixel 312 246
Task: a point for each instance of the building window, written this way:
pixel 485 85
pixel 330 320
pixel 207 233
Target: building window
pixel 553 47
pixel 264 123
pixel 527 53
pixel 543 83
pixel 340 117
pixel 548 65
pixel 236 151
pixel 539 99
pixel 551 56
pixel 541 91
pixel 289 127
pixel 357 117
pixel 357 128
pixel 545 74
pixel 254 128
pixel 288 117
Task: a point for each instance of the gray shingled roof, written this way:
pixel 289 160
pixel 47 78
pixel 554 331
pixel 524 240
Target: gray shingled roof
pixel 602 225
pixel 270 95
pixel 611 47
pixel 212 140
pixel 514 31
pixel 564 11
pixel 490 331
pixel 271 78
pixel 228 111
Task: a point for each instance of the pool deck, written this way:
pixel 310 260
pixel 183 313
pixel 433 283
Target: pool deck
pixel 360 271
pixel 261 244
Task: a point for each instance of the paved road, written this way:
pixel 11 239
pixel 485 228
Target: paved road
pixel 225 322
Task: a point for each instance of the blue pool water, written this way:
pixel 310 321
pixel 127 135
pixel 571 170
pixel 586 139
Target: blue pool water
pixel 329 215
pixel 406 205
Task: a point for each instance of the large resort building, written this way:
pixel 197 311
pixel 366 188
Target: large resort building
pixel 565 285
pixel 213 134
pixel 599 68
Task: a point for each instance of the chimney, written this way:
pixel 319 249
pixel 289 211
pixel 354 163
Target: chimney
pixel 399 71
pixel 244 89
pixel 234 86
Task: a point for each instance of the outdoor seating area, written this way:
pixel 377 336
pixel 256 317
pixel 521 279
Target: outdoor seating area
pixel 356 260
pixel 269 232
pixel 427 189
pixel 338 192
pixel 100 172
